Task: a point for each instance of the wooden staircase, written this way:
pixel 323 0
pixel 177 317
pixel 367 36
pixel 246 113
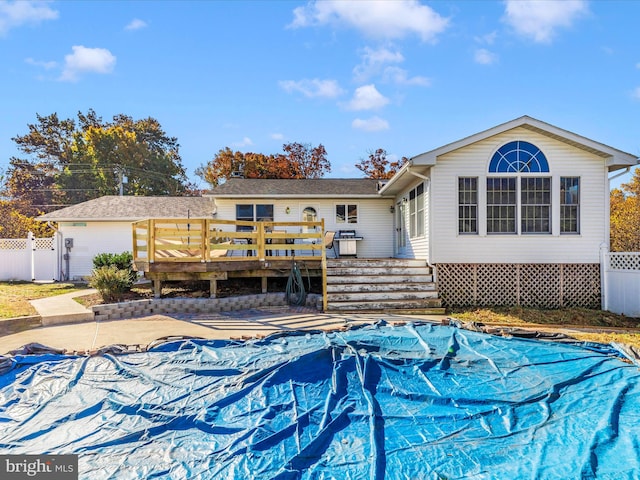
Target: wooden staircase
pixel 389 285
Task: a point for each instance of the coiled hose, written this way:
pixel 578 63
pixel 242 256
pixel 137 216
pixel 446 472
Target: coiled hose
pixel 296 294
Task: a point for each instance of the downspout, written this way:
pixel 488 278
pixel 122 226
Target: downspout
pixel 428 182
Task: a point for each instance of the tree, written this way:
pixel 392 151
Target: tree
pixel 377 165
pixel 15 224
pixel 625 216
pixel 71 161
pixel 297 161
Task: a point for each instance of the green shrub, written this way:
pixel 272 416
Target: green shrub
pixel 122 261
pixel 111 282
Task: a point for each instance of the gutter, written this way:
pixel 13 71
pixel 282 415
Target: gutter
pixel 619 174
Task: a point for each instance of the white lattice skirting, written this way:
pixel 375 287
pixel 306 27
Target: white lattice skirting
pixel 527 285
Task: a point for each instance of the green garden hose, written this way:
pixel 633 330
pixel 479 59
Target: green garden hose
pixel 296 294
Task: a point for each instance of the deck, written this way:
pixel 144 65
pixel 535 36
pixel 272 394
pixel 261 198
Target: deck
pixel 167 249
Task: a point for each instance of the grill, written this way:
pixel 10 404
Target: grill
pixel 346 234
pixel 347 240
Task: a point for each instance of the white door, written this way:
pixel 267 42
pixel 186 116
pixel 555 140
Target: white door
pixel 401 229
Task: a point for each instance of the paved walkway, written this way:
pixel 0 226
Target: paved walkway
pixel 86 334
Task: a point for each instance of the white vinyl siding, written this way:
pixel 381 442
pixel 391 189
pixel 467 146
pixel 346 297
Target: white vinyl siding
pixel 92 239
pixel 564 161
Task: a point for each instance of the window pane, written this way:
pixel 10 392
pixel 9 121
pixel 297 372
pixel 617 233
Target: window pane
pixel 569 205
pixel 341 213
pixel 467 205
pixel 244 212
pixel 264 213
pixel 353 214
pixel 535 197
pixel 501 205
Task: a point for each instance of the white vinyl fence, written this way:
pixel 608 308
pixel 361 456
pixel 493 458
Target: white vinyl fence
pixel 29 259
pixel 621 283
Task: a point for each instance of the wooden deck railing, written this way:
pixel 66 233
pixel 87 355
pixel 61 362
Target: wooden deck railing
pixel 211 240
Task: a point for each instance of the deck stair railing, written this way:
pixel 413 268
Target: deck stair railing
pixel 211 240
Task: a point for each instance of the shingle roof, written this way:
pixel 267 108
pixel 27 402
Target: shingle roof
pixel 133 208
pixel 320 187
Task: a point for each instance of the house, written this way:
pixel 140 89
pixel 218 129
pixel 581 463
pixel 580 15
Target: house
pixel 103 225
pixel 515 215
pixel 353 204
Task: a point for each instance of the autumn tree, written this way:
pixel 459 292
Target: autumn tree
pixel 625 216
pixel 70 161
pixel 378 166
pixel 298 161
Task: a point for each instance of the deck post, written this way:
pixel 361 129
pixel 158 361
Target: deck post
pixel 324 270
pixel 264 284
pixel 213 287
pixel 157 287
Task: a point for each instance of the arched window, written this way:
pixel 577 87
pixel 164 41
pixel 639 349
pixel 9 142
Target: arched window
pixel 518 202
pixel 518 157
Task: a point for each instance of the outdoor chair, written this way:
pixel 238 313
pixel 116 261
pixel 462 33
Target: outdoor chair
pixel 328 242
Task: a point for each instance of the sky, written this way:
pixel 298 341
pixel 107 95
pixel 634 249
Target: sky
pixel 354 76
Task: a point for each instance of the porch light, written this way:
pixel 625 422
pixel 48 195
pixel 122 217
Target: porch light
pixel 287 210
pixel 392 209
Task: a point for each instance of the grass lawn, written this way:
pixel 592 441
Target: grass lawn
pixel 15 296
pixel 604 327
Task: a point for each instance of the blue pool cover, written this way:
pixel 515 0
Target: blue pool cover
pixel 379 402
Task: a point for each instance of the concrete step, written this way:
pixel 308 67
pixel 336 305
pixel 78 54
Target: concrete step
pixel 385 305
pixel 380 287
pixel 375 262
pixel 380 296
pixel 344 271
pixel 384 279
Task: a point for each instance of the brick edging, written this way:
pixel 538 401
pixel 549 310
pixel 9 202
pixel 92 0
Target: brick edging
pixel 163 306
pixel 9 326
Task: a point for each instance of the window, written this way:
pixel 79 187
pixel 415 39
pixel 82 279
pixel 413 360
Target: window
pixel 416 211
pixel 347 213
pixel 501 205
pixel 535 198
pixel 521 192
pixel 467 205
pixel 264 213
pixel 518 157
pixel 253 213
pixel 244 212
pixel 569 205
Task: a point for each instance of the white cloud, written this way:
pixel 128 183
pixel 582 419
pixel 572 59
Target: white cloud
pixel 367 97
pixel 485 57
pixel 539 19
pixel 41 63
pixel 277 136
pixel 373 61
pixel 136 24
pixel 400 76
pixel 245 142
pixel 488 39
pixel 87 60
pixel 374 18
pixel 636 93
pixel 313 87
pixel 373 124
pixel 18 13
